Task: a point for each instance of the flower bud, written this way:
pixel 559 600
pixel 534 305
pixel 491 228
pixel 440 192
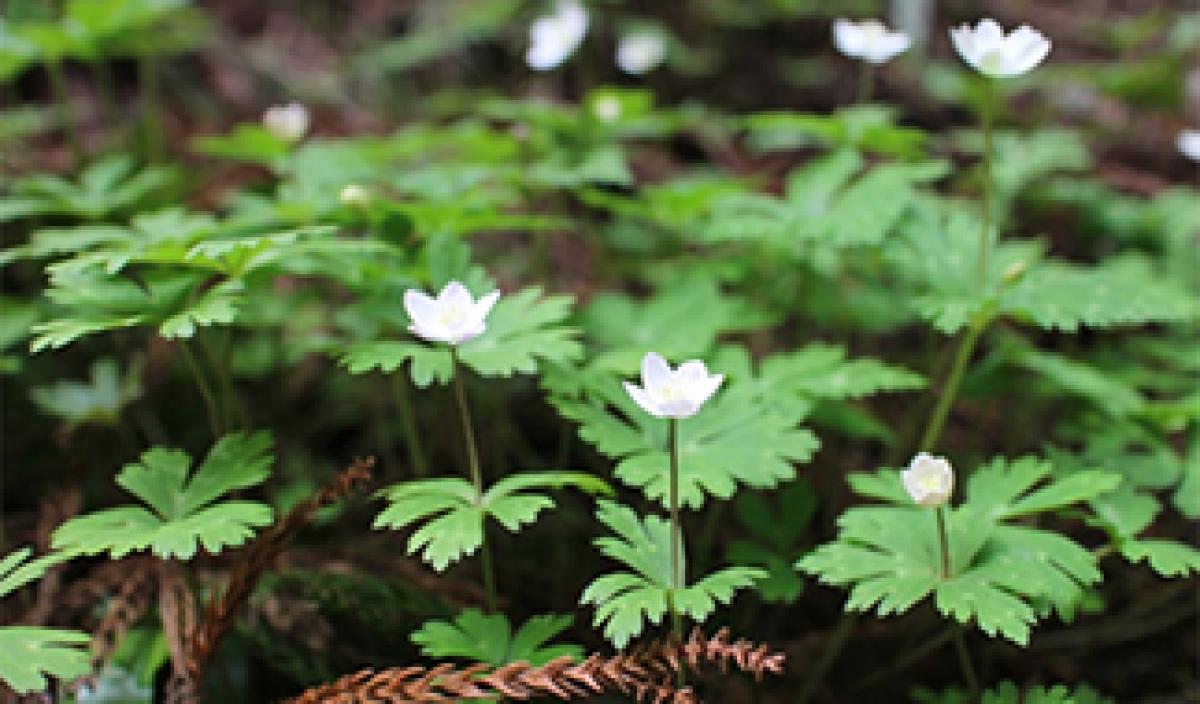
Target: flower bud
pixel 354 196
pixel 929 480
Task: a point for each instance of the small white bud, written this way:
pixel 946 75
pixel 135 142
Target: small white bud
pixel 929 480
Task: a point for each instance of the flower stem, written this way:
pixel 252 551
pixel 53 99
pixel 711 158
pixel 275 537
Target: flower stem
pixel 964 660
pixel 66 115
pixel 408 423
pixel 210 402
pixel 151 113
pixel 985 235
pixel 833 647
pixel 460 396
pixel 943 542
pixel 866 82
pixel 676 557
pixel 950 388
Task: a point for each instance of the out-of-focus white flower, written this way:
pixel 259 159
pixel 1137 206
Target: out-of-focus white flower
pixel 673 393
pixel 607 108
pixel 987 49
pixel 641 51
pixel 452 317
pixel 1188 142
pixel 287 122
pixel 553 38
pixel 354 195
pixel 929 480
pixel 869 40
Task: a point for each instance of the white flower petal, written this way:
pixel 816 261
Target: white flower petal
pixel 655 372
pixel 419 305
pixel 454 294
pixel 707 388
pixel 642 399
pixel 484 305
pixel 1188 142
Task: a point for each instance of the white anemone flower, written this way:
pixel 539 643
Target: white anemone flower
pixel 287 122
pixel 641 52
pixel 673 393
pixel 1188 142
pixel 553 38
pixel 869 40
pixel 452 317
pixel 354 195
pixel 987 49
pixel 929 480
pixel 607 108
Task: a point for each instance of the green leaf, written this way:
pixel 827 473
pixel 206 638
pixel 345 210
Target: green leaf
pixel 523 331
pixel 452 516
pixel 626 601
pixel 106 187
pixel 29 655
pixel 736 438
pixel 182 515
pixel 247 142
pixel 17 570
pixel 489 638
pixel 1166 557
pixel 775 529
pixel 427 364
pixel 1000 572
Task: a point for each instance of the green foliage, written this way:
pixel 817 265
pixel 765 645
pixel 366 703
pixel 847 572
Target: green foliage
pixel 489 638
pixel 184 512
pixel 738 437
pixel 109 186
pixel 626 601
pixel 29 654
pixel 1000 570
pixel 1009 693
pixel 524 330
pixel 453 516
pixel 775 529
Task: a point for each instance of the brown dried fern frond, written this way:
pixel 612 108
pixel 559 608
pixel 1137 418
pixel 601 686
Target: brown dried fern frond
pixel 221 613
pixel 647 674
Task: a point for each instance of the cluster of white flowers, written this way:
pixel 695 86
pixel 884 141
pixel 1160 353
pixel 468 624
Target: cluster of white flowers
pixel 287 122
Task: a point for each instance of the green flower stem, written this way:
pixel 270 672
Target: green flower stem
pixel 943 542
pixel 62 103
pixel 937 420
pixel 907 657
pixel 676 561
pixel 151 113
pixel 866 82
pixel 408 423
pixel 485 553
pixel 964 660
pixel 833 647
pixel 210 401
pixel 985 235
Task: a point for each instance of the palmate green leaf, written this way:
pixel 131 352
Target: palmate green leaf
pixel 451 516
pixel 1168 558
pixel 736 438
pixel 1063 296
pixel 774 530
pixel 1001 572
pixel 680 321
pixel 626 601
pixel 182 515
pixel 524 330
pixel 1108 392
pixel 489 638
pixel 17 570
pixel 106 187
pixel 177 303
pixel 426 364
pixel 28 655
pixel 820 370
pixel 246 142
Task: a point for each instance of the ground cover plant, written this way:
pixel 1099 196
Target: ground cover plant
pixel 493 350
